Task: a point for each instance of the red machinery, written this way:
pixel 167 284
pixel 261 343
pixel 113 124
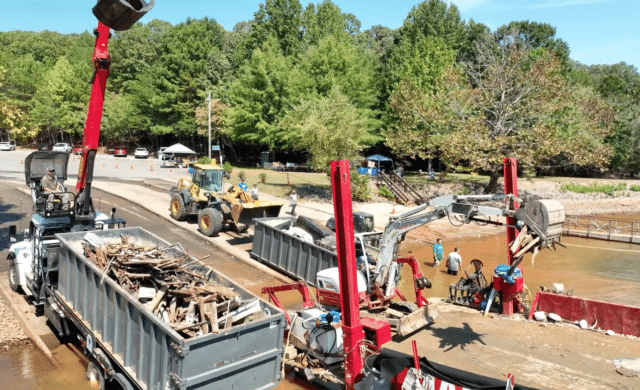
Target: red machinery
pixel 119 15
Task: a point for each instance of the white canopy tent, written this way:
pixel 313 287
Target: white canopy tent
pixel 178 149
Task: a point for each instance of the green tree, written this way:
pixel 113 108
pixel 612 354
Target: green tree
pixel 59 105
pixel 281 19
pixel 326 19
pixel 260 96
pixel 505 105
pixel 10 116
pixel 619 84
pixel 186 69
pixel 533 35
pixel 339 62
pixel 434 18
pixel 329 128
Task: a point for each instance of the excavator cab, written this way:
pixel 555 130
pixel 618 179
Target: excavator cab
pixel 36 166
pixel 120 15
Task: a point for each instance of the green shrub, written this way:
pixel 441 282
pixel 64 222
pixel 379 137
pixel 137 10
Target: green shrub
pixel 634 187
pixel 608 189
pixel 227 167
pixel 204 160
pixel 263 177
pixel 385 192
pixel 242 175
pixel 360 186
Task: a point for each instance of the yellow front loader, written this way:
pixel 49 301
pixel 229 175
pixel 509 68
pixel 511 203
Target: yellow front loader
pixel 203 195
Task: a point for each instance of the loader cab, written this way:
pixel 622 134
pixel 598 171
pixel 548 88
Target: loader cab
pixel 35 169
pixel 207 177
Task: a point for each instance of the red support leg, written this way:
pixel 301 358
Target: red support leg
pixel 510 187
pixel 353 333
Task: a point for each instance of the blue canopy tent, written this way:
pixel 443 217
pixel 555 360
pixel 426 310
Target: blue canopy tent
pixel 377 158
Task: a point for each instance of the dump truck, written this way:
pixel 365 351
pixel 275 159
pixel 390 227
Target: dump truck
pixel 131 346
pixel 203 195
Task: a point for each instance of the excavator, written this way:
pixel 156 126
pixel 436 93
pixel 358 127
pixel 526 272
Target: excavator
pixel 377 279
pixel 331 346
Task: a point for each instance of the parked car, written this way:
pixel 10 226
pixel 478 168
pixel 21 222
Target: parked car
pixel 62 147
pixel 44 147
pixel 8 145
pixel 141 153
pixel 120 151
pixel 111 150
pixel 77 149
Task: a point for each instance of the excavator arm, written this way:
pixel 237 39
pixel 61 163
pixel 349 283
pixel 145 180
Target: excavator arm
pixel 542 218
pixel 119 15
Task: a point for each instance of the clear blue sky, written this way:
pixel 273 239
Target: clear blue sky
pixel 598 31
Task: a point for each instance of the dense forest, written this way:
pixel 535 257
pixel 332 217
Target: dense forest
pixel 307 80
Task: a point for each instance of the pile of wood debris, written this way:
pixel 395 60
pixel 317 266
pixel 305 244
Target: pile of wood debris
pixel 171 284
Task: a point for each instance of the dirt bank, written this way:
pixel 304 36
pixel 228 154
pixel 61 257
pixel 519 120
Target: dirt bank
pixel 11 333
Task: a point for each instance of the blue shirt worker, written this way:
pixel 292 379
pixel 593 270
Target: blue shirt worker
pixel 243 185
pixel 438 253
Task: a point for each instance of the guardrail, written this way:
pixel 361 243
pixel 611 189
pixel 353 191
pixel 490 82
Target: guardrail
pixel 609 229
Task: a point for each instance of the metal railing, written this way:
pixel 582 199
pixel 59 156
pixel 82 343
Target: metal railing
pixel 402 190
pixel 609 229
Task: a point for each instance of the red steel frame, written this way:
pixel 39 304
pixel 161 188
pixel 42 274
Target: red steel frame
pixel 352 329
pixel 510 187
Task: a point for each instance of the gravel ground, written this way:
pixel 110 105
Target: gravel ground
pixel 11 333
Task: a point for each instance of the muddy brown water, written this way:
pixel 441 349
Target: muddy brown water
pixel 595 269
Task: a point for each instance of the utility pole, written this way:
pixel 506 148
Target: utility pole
pixel 209 121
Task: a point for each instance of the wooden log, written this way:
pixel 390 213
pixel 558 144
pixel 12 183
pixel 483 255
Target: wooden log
pixel 519 239
pixel 212 316
pixel 526 248
pixel 179 327
pixel 156 300
pixel 203 317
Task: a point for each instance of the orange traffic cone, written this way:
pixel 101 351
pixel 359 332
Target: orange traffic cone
pixel 393 210
pixel 21 159
pixel 151 167
pixel 131 167
pixel 116 164
pixel 102 165
pixel 170 170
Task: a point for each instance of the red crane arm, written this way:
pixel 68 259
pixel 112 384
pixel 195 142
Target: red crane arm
pixel 91 133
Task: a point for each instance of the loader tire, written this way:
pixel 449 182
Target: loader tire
pixel 210 221
pixel 177 208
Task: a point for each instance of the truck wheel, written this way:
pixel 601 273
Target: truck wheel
pixel 177 208
pixel 13 278
pixel 94 374
pixel 210 221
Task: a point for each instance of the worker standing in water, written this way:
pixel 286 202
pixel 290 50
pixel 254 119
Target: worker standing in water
pixel 454 262
pixel 438 253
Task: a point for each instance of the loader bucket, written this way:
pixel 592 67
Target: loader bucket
pixel 258 210
pixel 544 217
pixel 120 15
pixel 418 319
